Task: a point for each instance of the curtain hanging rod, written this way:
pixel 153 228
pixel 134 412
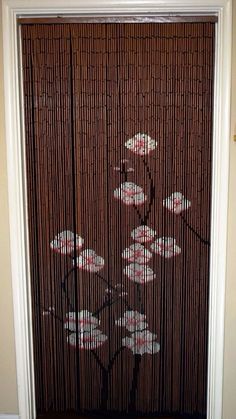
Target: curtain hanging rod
pixel 118 19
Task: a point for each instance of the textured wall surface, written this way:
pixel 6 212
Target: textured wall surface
pixel 8 388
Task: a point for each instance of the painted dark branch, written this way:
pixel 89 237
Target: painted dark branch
pixel 68 274
pixel 99 362
pixel 127 304
pixel 139 214
pixel 141 308
pixel 105 281
pixel 51 312
pixel 112 360
pixel 106 378
pixel 107 303
pixel 115 291
pixel 133 391
pixel 56 317
pixel 204 241
pixel 105 390
pixel 124 172
pixel 152 193
pixel 64 287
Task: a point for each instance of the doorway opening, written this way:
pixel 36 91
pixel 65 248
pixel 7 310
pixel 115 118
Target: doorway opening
pixel 118 123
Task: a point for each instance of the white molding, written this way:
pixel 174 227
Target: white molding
pixel 220 181
pixel 8 416
pixel 16 169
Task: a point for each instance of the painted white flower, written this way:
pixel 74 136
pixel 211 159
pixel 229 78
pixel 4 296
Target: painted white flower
pixel 176 203
pixel 143 234
pixel 133 321
pixel 142 343
pixel 50 310
pixel 141 144
pixel 130 194
pixel 66 242
pixel 108 291
pixel 139 273
pixel 166 246
pixel 123 294
pixel 137 253
pixel 119 169
pixel 86 321
pixel 89 261
pixel 117 289
pixel 122 168
pixel 87 340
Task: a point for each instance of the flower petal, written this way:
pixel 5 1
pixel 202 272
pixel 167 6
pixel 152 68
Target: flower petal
pixel 141 144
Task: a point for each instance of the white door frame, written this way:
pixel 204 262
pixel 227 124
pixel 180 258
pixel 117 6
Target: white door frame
pixel 12 9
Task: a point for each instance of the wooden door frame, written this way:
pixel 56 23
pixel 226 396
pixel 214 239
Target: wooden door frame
pixel 12 10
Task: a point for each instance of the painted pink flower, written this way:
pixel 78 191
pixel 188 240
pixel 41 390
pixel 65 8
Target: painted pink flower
pixel 143 234
pixel 137 253
pixel 66 242
pixel 84 321
pixel 166 247
pixel 130 194
pixel 139 273
pixel 176 203
pixel 142 342
pixel 87 340
pixel 141 144
pixel 89 261
pixel 133 321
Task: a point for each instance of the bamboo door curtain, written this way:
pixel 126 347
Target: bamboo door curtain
pixel 118 128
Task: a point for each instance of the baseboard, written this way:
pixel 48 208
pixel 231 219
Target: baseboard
pixel 6 416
